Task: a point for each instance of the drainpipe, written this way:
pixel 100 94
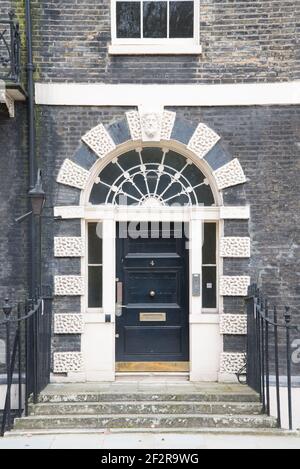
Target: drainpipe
pixel 31 148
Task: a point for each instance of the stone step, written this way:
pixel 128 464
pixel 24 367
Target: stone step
pixel 149 397
pixel 144 421
pixel 145 407
pixel 161 431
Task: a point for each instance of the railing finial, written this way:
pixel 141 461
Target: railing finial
pixel 287 315
pixel 7 308
pixel 11 14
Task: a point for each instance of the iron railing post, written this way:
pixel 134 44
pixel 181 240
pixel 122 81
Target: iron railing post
pixel 267 359
pixel 27 351
pixel 287 318
pixel 7 310
pixel 35 355
pixel 20 379
pixel 258 351
pixel 277 368
pixel 8 412
pixel 262 348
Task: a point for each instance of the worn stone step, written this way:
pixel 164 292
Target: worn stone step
pixel 144 421
pixel 145 407
pixel 161 431
pixel 149 397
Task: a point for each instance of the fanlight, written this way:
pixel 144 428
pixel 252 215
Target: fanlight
pixel 151 177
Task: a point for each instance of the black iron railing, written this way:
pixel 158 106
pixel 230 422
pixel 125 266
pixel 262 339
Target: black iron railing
pixel 269 353
pixel 28 341
pixel 10 49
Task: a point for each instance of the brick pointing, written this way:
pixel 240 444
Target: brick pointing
pixel 13 203
pixel 243 41
pixel 264 139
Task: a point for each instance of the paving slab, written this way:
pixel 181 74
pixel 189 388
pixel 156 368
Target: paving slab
pixel 189 441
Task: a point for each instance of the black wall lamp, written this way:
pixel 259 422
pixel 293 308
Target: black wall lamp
pixel 37 197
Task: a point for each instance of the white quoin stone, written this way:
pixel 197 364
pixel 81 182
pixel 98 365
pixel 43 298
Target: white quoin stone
pixel 99 140
pixel 233 324
pixel 66 362
pixel 235 247
pixel 231 174
pixel 71 174
pixel 68 285
pixel 234 285
pixel 68 247
pixel 68 324
pixel 203 140
pixel 232 363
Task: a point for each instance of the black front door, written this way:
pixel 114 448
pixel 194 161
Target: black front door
pixel 152 271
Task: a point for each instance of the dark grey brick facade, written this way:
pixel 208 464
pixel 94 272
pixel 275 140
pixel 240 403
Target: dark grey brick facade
pixel 13 203
pixel 265 141
pixel 243 41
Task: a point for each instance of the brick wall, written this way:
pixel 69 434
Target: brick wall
pixel 243 41
pixel 6 5
pixel 13 203
pixel 264 139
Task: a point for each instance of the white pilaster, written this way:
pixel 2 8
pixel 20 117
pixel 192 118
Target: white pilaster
pixel 195 249
pixel 109 269
pixel 98 340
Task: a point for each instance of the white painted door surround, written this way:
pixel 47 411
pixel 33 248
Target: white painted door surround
pixel 96 361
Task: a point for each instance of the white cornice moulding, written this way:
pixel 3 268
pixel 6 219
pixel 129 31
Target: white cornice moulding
pixel 99 94
pixel 132 213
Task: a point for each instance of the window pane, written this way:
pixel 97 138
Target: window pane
pixel 209 287
pixel 210 242
pixel 95 243
pixel 95 287
pixel 128 20
pixel 159 171
pixel 155 19
pixel 181 19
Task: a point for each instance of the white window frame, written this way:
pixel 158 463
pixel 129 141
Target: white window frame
pixel 88 265
pixel 217 309
pixel 160 46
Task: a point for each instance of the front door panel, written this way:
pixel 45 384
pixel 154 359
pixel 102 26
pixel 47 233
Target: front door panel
pixel 153 325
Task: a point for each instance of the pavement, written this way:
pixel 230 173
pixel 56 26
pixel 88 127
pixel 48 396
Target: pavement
pixel 107 440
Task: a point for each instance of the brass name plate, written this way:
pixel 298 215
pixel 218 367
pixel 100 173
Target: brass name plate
pixel 155 317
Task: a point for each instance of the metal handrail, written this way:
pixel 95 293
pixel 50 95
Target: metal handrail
pixel 31 344
pixel 31 313
pixel 261 328
pixel 273 323
pixel 10 49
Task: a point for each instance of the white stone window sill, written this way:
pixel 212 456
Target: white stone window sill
pixel 154 49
